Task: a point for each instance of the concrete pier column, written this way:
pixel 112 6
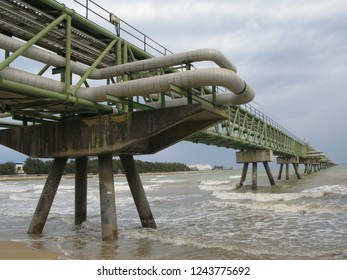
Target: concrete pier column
pixel 47 196
pixel 244 174
pixel 286 161
pixel 107 198
pixel 269 174
pixel 254 156
pixel 81 190
pixel 137 191
pixel 254 176
pixel 295 166
pixel 287 171
pixel 280 172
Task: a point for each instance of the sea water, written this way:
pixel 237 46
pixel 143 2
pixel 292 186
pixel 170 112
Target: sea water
pixel 199 215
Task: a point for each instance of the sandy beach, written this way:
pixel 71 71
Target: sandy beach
pixel 10 250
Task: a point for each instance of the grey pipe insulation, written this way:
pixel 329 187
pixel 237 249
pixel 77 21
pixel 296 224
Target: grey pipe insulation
pixel 224 76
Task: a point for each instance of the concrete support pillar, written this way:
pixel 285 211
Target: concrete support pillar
pixel 47 196
pixel 244 174
pixel 137 191
pixel 287 171
pixel 295 166
pixel 286 161
pixel 269 174
pixel 280 172
pixel 306 169
pixel 81 190
pixel 254 176
pixel 254 157
pixel 107 198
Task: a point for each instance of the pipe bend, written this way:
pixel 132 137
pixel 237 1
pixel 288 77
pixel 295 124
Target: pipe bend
pixel 241 92
pixel 46 57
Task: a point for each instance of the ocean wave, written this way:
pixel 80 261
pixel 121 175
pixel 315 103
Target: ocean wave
pixel 214 182
pixel 328 189
pixel 166 181
pixel 236 249
pixel 235 177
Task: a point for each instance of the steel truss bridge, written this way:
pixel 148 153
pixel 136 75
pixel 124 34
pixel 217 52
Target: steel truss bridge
pixel 71 88
pixel 68 76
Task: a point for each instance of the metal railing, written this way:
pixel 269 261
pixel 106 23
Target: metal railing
pixel 254 111
pixel 122 28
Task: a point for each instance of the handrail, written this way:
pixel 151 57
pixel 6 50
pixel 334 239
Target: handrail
pixel 251 109
pixel 146 41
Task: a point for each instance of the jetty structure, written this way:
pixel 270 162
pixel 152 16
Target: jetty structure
pixel 106 89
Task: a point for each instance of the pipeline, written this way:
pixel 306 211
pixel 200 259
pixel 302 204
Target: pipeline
pixel 46 57
pixel 240 92
pixel 225 76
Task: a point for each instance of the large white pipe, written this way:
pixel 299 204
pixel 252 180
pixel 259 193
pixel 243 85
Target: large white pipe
pixel 224 76
pixel 241 92
pixel 46 57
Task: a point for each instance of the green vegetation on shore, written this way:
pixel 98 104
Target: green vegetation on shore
pixel 37 166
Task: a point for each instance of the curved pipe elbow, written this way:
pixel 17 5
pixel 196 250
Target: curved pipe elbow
pixel 41 55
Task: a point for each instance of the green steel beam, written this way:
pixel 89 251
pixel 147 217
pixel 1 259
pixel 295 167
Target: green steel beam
pixel 31 91
pixel 32 41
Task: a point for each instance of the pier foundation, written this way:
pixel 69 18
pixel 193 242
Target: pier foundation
pixel 255 156
pixel 286 161
pixel 47 196
pixel 137 191
pixel 107 198
pixel 125 135
pixel 81 164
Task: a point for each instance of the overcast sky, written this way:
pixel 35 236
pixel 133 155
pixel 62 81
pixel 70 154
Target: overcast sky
pixel 293 53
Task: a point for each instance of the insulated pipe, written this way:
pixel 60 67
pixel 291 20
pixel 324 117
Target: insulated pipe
pixel 225 98
pixel 46 57
pixel 242 93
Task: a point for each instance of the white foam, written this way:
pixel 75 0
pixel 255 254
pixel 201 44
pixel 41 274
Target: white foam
pixel 335 189
pixel 214 182
pixel 235 177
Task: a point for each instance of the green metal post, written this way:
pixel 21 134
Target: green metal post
pixel 119 56
pixel 68 56
pixel 125 76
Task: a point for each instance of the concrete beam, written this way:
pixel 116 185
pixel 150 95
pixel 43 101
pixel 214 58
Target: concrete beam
pixel 254 156
pixel 285 160
pixel 142 132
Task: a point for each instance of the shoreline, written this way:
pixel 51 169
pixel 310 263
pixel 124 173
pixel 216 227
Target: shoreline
pixel 21 250
pixel 25 177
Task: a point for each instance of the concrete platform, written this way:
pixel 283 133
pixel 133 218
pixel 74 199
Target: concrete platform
pixel 142 132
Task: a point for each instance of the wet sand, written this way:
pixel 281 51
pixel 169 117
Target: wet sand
pixel 10 250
